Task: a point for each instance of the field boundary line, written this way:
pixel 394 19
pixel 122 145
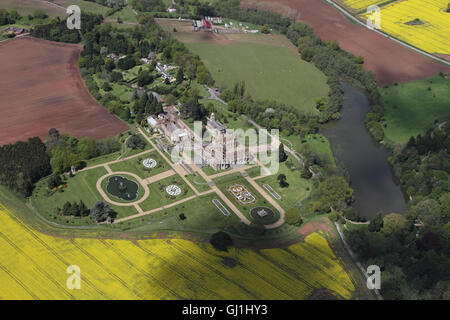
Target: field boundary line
pixel 386 35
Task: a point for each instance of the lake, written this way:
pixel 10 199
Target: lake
pixel 365 160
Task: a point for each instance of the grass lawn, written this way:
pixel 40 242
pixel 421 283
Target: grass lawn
pixel 159 197
pixel 80 187
pixel 210 171
pixel 201 88
pixel 269 71
pixel 25 7
pixel 318 142
pixel 201 215
pixel 254 172
pixel 85 6
pixel 102 159
pixel 135 165
pixel 411 108
pixel 225 181
pixel 125 15
pixel 292 195
pixel 201 184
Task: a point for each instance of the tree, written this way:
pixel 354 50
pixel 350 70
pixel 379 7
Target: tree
pixel 116 76
pixel 54 181
pixel 265 29
pixel 22 164
pixel 394 224
pixel 83 209
pixel 180 76
pixel 293 217
pixel 376 223
pixel 109 64
pixel 334 189
pixel 282 154
pixel 221 241
pixel 101 212
pixel 144 78
pixel 306 173
pixel 87 148
pixel 282 180
pixel 135 141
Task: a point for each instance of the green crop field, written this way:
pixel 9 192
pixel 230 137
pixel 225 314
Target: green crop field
pixel 411 108
pixel 270 72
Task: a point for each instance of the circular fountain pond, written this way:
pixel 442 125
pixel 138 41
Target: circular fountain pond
pixel 122 188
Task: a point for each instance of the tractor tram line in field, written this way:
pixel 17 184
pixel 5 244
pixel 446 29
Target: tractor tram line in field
pixel 133 265
pixel 215 271
pixel 185 277
pixel 51 250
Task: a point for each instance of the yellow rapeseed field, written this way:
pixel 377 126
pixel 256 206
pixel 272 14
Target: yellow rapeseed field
pixel 33 266
pixel 360 5
pixel 431 32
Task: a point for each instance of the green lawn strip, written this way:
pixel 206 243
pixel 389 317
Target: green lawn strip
pixel 102 159
pixel 318 142
pixel 135 165
pixel 81 187
pixel 159 197
pixel 413 107
pixel 209 171
pixel 126 14
pixel 351 226
pixel 254 172
pixel 85 6
pixel 123 212
pixel 201 184
pixel 201 215
pixel 117 199
pixel 29 7
pixel 203 92
pixel 291 196
pixel 223 182
pixel 270 72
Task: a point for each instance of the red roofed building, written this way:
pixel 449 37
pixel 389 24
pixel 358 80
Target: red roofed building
pixel 206 24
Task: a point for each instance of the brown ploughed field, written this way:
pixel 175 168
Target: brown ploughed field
pixel 41 88
pixel 390 61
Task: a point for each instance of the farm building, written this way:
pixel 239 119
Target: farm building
pixel 203 24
